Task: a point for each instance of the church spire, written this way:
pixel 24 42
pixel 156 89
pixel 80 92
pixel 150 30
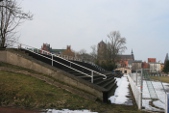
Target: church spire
pixel 132 51
pixel 132 54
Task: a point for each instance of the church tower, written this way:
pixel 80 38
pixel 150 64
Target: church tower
pixel 132 54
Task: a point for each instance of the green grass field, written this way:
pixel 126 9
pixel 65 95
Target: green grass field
pixel 162 78
pixel 23 91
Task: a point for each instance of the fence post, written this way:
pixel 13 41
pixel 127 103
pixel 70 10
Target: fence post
pixel 52 59
pixel 141 89
pixel 91 76
pixel 167 103
pixel 136 78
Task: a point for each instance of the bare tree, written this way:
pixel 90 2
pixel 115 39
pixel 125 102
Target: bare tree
pixel 11 16
pixel 82 51
pixel 94 53
pixel 108 52
pixel 115 46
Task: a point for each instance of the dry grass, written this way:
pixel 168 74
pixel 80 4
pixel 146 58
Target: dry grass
pixel 162 78
pixel 23 91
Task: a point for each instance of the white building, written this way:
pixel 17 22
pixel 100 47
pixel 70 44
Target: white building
pixel 155 67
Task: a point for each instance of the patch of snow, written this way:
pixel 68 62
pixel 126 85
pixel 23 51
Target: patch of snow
pixel 147 106
pixel 121 92
pixel 160 93
pixel 68 111
pixel 159 104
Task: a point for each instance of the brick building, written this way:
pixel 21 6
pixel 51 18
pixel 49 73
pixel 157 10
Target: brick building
pixel 151 60
pixel 145 65
pixel 68 52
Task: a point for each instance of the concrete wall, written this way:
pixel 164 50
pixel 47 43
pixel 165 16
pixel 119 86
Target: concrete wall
pixel 136 92
pixel 18 60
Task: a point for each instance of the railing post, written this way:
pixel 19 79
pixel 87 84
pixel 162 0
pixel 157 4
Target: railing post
pixel 141 88
pixel 91 76
pixel 52 59
pixel 136 78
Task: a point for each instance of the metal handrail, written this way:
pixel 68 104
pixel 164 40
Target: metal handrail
pixel 56 61
pixel 77 59
pixel 27 47
pixel 83 67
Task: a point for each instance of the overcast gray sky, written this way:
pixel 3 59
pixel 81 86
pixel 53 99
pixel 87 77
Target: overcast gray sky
pixel 83 23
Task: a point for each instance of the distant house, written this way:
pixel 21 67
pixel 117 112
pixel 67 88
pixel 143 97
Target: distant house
pixel 137 64
pixel 151 60
pixel 126 60
pixel 155 67
pixel 152 65
pixel 45 48
pixel 162 67
pixel 130 63
pixel 125 63
pixel 68 52
pixel 145 65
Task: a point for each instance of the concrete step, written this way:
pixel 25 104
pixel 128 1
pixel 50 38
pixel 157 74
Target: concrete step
pixel 109 83
pixel 100 83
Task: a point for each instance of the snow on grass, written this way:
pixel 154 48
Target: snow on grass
pixel 120 96
pixel 68 111
pixel 122 92
pixel 160 89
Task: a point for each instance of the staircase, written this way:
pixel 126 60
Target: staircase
pixel 85 72
pixel 90 66
pixel 150 86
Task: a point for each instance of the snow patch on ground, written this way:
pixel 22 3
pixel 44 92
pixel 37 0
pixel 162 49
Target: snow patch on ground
pixel 159 88
pixel 68 111
pixel 120 96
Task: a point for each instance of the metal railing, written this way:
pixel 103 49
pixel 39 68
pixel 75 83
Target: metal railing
pixel 142 83
pixel 149 84
pixel 78 59
pixel 40 52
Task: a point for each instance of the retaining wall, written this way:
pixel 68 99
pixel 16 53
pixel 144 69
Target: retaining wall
pixel 19 60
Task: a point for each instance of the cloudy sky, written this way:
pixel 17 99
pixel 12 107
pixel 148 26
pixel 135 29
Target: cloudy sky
pixel 84 23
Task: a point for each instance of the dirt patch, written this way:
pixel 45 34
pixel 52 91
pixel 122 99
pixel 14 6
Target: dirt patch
pixel 15 110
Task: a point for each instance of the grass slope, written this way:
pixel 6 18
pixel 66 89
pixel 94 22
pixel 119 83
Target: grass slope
pixel 23 91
